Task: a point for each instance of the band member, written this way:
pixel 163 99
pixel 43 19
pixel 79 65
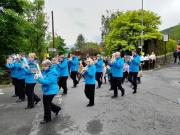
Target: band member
pixel 13 70
pixel 99 70
pixel 134 69
pixel 64 73
pixel 89 75
pixel 30 69
pixel 74 65
pixel 49 88
pixel 117 74
pixel 18 64
pixel 110 75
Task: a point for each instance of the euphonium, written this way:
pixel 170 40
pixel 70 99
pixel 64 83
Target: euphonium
pixel 84 69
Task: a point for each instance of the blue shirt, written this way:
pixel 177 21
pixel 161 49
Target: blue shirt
pixel 89 75
pixel 49 82
pixel 29 76
pixel 99 65
pixel 135 63
pixel 63 67
pixel 74 64
pixel 117 67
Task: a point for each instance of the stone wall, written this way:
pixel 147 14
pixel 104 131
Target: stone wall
pixel 160 60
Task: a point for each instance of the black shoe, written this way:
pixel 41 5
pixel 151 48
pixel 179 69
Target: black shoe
pixel 89 105
pixel 37 101
pixel 74 86
pixel 114 96
pixel 134 92
pixel 14 95
pixel 110 89
pixel 98 87
pixel 20 100
pixel 123 92
pixel 64 93
pixel 44 121
pixel 58 111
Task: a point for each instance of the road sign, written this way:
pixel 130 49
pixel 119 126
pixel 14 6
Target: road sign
pixel 165 38
pixel 51 49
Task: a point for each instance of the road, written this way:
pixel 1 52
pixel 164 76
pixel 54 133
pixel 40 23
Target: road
pixel 154 110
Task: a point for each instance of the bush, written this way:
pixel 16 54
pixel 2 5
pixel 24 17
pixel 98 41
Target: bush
pixel 4 77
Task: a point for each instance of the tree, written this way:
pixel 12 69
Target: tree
pixel 105 22
pixel 91 49
pixel 125 30
pixel 80 42
pixel 22 27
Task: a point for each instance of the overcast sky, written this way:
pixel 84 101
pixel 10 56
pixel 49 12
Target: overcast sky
pixel 72 17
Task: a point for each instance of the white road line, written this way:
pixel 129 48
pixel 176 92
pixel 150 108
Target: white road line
pixel 1 93
pixel 36 125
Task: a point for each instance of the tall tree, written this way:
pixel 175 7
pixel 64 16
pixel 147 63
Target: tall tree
pixel 80 42
pixel 125 30
pixel 105 22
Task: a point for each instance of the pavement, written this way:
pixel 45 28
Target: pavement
pixel 154 110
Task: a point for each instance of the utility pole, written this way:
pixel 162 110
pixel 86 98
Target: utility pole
pixel 53 29
pixel 142 24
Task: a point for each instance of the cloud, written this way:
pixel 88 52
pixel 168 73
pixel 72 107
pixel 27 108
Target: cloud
pixel 80 24
pixel 84 16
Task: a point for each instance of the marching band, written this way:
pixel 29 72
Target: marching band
pixel 26 73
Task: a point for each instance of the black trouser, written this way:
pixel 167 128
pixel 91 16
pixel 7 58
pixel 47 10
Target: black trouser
pixel 63 83
pixel 133 79
pixel 125 76
pixel 90 92
pixel 116 83
pixel 21 88
pixel 14 82
pixel 49 106
pixel 99 78
pixel 74 77
pixel 31 96
pixel 175 59
pixel 110 80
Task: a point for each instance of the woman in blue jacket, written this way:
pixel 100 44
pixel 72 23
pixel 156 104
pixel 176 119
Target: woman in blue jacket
pixel 99 70
pixel 90 79
pixel 30 69
pixel 13 71
pixel 49 88
pixel 74 66
pixel 64 73
pixel 134 69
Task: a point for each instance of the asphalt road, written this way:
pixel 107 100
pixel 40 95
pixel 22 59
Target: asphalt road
pixel 154 110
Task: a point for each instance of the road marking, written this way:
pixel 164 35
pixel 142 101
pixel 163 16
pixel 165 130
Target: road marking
pixel 36 125
pixel 1 93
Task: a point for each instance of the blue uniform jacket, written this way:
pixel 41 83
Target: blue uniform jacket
pixel 55 67
pixel 49 81
pixel 135 63
pixel 89 75
pixel 20 74
pixel 74 64
pixel 13 69
pixel 63 67
pixel 99 65
pixel 29 76
pixel 117 67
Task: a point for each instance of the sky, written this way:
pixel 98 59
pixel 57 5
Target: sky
pixel 74 17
